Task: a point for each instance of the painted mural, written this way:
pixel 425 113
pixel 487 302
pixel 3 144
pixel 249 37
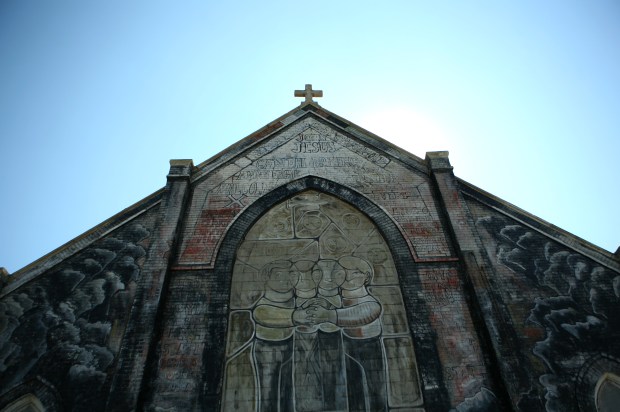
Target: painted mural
pixel 66 327
pixel 572 316
pixel 317 321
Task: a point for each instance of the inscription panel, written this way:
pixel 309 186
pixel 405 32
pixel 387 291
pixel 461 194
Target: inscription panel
pixel 311 148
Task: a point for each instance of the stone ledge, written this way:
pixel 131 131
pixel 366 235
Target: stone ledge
pixel 438 161
pixel 180 168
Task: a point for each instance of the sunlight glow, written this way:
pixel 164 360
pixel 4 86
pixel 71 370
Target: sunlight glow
pixel 412 129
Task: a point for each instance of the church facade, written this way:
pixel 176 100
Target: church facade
pixel 314 266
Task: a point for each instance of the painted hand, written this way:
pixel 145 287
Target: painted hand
pixel 319 314
pixel 316 302
pixel 302 317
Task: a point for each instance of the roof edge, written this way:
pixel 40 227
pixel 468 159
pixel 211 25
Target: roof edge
pixel 570 240
pixel 298 113
pixel 388 147
pixel 77 244
pixel 257 135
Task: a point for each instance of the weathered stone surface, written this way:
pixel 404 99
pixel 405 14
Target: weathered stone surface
pixel 314 267
pixel 66 326
pixel 562 305
pixel 311 148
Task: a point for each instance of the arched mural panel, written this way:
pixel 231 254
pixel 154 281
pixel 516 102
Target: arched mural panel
pixel 317 320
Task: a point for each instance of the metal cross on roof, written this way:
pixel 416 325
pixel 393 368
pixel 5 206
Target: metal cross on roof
pixel 308 93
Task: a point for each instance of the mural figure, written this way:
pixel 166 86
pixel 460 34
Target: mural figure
pixel 319 358
pixel 362 329
pixel 357 313
pixel 314 297
pixel 273 346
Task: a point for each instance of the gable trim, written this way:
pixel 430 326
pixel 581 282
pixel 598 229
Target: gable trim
pixel 58 255
pixel 281 124
pixel 597 254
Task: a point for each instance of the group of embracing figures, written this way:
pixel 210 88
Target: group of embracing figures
pixel 317 343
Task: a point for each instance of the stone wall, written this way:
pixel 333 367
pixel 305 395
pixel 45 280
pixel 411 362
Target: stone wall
pixel 563 307
pixel 262 196
pixel 314 267
pixel 60 334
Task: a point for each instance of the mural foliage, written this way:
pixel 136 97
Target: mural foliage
pixel 578 309
pixel 66 326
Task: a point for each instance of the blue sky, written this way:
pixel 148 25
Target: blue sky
pixel 96 97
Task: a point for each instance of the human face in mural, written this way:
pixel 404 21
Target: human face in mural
pixel 332 274
pixel 308 279
pixel 358 272
pixel 283 276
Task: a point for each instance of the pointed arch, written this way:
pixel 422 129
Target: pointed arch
pixel 433 388
pixel 34 395
pixel 607 393
pixel 597 385
pixel 26 403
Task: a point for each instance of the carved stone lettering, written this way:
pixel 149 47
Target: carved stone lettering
pixel 311 148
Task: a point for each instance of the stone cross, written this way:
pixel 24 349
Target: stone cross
pixel 308 93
